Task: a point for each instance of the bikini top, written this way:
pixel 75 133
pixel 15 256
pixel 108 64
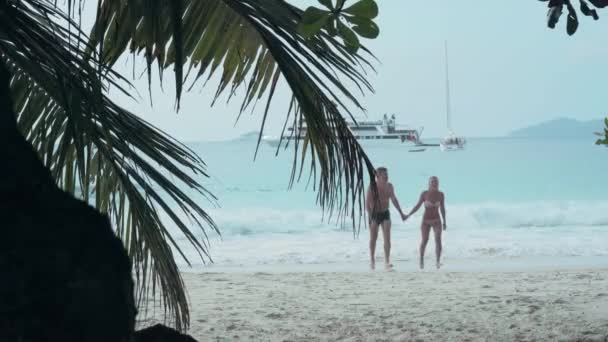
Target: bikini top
pixel 429 204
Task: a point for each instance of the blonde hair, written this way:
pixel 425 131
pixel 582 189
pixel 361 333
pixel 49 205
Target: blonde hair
pixel 431 179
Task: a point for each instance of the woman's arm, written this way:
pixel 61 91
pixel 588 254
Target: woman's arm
pixel 417 206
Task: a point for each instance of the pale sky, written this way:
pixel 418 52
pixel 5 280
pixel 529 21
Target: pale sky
pixel 507 70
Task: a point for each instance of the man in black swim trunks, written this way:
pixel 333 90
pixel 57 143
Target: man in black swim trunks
pixel 377 207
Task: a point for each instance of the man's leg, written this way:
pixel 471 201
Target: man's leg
pixel 386 235
pixel 373 236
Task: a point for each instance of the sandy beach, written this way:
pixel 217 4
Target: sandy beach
pixel 569 305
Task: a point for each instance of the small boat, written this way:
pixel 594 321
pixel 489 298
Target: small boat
pixel 427 145
pixel 418 150
pixel 451 142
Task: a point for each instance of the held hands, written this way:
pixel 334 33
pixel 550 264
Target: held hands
pixel 404 216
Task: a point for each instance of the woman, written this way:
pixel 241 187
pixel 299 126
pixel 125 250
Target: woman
pixel 433 201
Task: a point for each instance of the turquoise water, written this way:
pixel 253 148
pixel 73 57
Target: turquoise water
pixel 505 198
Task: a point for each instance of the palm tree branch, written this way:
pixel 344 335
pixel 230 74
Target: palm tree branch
pixel 92 145
pixel 257 38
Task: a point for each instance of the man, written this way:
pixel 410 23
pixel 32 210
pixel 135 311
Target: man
pixel 377 207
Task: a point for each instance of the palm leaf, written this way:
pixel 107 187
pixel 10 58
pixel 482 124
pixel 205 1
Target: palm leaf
pixel 251 42
pixel 93 146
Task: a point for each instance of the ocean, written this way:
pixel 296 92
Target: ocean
pixel 511 203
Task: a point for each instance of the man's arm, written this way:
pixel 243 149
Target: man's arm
pixel 396 202
pixel 442 208
pixel 368 200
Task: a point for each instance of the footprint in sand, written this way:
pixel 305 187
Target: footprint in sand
pixel 261 274
pixel 492 299
pixel 275 315
pixel 589 332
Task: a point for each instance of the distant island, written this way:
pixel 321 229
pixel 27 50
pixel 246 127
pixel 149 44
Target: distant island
pixel 561 128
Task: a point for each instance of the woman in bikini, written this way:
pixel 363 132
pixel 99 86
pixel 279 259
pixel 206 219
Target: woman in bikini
pixel 434 202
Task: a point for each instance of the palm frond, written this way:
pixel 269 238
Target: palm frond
pixel 252 43
pixel 99 151
pixel 86 139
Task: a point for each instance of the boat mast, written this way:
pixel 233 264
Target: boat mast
pixel 447 89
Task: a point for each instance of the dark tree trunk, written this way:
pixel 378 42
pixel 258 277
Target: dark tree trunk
pixel 64 275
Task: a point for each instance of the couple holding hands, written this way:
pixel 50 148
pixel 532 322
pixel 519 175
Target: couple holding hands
pixel 377 207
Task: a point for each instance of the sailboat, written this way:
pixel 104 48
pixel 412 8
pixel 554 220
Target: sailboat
pixel 451 142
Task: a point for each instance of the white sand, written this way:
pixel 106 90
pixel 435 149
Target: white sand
pixel 400 306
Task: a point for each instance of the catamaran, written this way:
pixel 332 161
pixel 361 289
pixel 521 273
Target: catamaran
pixel 385 129
pixel 451 142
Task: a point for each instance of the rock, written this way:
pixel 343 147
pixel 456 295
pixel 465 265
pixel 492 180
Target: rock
pixel 65 275
pixel 161 333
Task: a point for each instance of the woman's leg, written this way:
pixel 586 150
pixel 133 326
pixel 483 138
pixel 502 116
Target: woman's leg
pixel 425 229
pixel 438 246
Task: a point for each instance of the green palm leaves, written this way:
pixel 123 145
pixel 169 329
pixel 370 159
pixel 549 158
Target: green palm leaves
pixel 346 23
pixel 100 152
pixel 142 178
pixel 556 8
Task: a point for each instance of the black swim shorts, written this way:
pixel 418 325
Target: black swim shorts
pixel 380 217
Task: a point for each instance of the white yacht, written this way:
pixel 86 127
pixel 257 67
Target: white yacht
pixel 451 142
pixel 385 129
